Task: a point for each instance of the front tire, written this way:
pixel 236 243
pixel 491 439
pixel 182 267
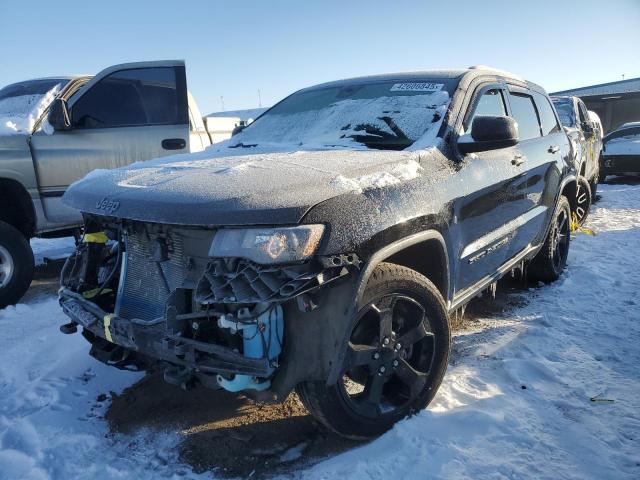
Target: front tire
pixel 16 265
pixel 548 264
pixel 396 358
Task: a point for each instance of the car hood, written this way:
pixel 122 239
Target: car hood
pixel 210 188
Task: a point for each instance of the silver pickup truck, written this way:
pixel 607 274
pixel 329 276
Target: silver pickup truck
pixel 54 131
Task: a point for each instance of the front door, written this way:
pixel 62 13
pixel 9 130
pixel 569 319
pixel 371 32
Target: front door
pixel 126 113
pixel 486 217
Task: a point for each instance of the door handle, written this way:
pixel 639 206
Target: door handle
pixel 517 160
pixel 174 143
pixel 553 149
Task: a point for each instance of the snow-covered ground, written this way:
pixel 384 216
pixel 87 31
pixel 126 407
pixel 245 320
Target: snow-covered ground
pixel 51 249
pixel 548 390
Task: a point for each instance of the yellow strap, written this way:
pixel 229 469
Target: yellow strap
pixel 97 237
pixel 92 293
pixel 575 226
pixel 107 324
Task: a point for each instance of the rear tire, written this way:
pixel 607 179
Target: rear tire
pixel 16 265
pixel 583 200
pixel 548 264
pixel 397 356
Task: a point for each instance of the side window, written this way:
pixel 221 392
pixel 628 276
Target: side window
pixel 145 96
pixel 548 120
pixel 523 112
pixel 490 103
pixel 582 112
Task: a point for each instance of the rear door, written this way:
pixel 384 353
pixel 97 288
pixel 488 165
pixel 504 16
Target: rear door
pixel 127 113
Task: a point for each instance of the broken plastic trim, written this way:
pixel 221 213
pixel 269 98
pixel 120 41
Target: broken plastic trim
pixel 241 281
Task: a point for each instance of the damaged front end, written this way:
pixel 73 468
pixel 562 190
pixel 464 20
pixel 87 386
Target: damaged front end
pixel 211 304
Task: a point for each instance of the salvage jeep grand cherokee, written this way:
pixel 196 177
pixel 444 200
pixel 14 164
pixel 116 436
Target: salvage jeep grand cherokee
pixel 323 247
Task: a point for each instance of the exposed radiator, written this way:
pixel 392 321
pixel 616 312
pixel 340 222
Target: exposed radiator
pixel 147 283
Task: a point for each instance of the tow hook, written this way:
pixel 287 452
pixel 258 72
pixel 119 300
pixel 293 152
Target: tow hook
pixel 69 328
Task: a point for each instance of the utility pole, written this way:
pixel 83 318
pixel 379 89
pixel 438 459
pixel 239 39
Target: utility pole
pixel 623 76
pixel 259 99
pixel 222 102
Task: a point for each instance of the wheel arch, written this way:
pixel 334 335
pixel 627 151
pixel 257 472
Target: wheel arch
pixel 569 189
pixel 16 207
pixel 425 252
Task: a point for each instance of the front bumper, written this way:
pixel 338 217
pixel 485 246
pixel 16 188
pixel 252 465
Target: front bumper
pixel 153 339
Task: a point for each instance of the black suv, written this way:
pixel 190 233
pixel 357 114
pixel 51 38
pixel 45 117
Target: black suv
pixel 324 246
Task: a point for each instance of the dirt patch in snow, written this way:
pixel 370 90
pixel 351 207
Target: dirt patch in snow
pixel 224 432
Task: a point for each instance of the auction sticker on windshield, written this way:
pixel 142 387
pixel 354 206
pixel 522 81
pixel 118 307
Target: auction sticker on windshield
pixel 417 87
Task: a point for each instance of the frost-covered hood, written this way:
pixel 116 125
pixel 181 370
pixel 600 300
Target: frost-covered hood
pixel 210 188
pixel 629 145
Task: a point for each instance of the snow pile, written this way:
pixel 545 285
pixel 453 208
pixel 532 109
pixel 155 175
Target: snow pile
pixel 548 390
pixel 20 113
pixel 52 248
pixel 50 409
pixel 339 122
pixel 396 175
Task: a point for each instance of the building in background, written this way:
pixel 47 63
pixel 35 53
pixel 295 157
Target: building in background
pixel 614 102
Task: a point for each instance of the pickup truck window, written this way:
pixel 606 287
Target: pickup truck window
pixel 490 103
pixel 21 104
pixel 523 111
pixel 145 96
pixel 548 120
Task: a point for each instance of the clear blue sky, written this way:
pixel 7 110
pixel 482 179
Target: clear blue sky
pixel 234 48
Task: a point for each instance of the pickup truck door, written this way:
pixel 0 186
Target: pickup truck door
pixel 127 113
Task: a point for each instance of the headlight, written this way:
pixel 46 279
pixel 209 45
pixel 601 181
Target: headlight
pixel 268 245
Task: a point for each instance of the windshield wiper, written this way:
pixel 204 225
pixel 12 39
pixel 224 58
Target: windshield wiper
pixel 373 137
pixel 243 145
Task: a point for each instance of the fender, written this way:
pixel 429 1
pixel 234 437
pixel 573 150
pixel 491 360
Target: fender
pixel 397 246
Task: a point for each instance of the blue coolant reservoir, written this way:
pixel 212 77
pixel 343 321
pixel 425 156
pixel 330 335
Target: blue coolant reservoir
pixel 267 332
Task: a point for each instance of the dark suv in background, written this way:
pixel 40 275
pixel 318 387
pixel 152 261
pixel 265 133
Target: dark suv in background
pixel 585 136
pixel 323 247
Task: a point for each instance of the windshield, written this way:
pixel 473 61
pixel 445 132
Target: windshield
pixel 21 104
pixel 565 112
pixel 387 115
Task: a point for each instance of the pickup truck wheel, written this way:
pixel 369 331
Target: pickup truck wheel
pixel 550 261
pixel 583 200
pixel 16 265
pixel 396 357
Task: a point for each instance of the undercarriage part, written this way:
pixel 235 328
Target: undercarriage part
pixel 241 281
pixel 261 338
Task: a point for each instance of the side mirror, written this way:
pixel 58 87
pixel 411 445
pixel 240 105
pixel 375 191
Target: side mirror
pixel 489 133
pixel 59 116
pixel 237 129
pixel 587 129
